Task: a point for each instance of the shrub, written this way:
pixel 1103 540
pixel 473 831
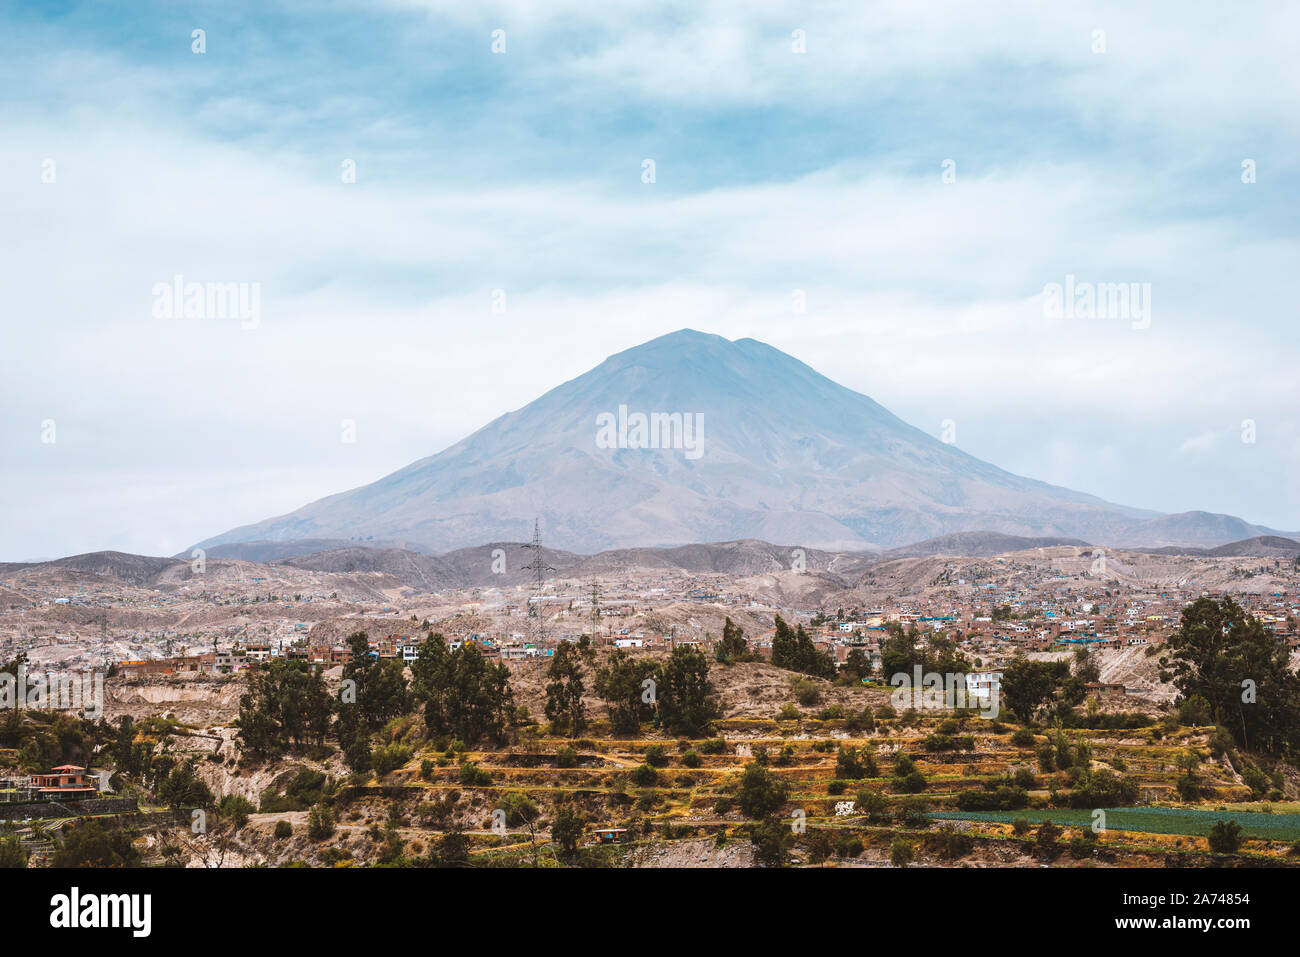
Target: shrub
pixel 900 852
pixel 644 776
pixel 807 692
pixel 390 757
pixel 848 765
pixel 1225 837
pixel 1047 834
pixel 471 775
pixel 761 792
pixel 691 759
pixel 949 843
pixel 914 783
pixel 713 746
pixel 320 823
pixel 566 757
pixel 656 756
pixel 283 829
pixel 1003 799
pixel 1022 738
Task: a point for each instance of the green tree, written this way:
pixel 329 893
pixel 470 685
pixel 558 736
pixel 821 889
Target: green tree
pixel 771 839
pixel 12 853
pixel 286 706
pixel 733 647
pixel 794 650
pixel 1029 686
pixel 1226 657
pixel 564 706
pixel 619 682
pixel 94 842
pixel 320 823
pixel 566 832
pixel 761 792
pixel 182 788
pixel 688 703
pixel 464 695
pixel 900 852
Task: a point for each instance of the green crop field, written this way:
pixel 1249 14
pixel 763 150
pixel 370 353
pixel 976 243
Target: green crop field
pixel 1151 820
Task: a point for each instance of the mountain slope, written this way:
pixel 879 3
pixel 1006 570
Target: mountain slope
pixel 785 455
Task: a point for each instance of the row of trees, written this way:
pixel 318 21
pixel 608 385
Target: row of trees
pixel 463 696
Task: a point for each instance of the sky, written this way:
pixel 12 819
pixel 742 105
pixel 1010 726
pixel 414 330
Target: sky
pixel 442 221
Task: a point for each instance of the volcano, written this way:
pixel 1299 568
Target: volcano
pixel 694 438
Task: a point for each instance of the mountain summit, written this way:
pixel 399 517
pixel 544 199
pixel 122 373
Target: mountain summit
pixel 694 438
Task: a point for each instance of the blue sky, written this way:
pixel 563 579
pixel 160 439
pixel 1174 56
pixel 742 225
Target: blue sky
pixel 776 171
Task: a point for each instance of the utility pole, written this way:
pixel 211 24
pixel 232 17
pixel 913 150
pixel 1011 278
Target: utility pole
pixel 595 612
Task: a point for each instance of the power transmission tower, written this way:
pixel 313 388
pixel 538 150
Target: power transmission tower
pixel 539 568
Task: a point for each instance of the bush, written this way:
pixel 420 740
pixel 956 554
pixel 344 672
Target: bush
pixel 1022 738
pixel 656 756
pixel 871 803
pixel 949 843
pixel 1103 789
pixel 691 759
pixel 644 776
pixel 849 765
pixel 566 757
pixel 914 783
pixel 1003 799
pixel 283 829
pixel 713 746
pixel 789 712
pixel 807 692
pixel 761 792
pixel 900 852
pixel 471 775
pixel 1048 834
pixel 390 757
pixel 1020 827
pixel 320 823
pixel 1225 837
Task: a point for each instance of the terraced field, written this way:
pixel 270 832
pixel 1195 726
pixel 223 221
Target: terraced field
pixel 678 799
pixel 1151 820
